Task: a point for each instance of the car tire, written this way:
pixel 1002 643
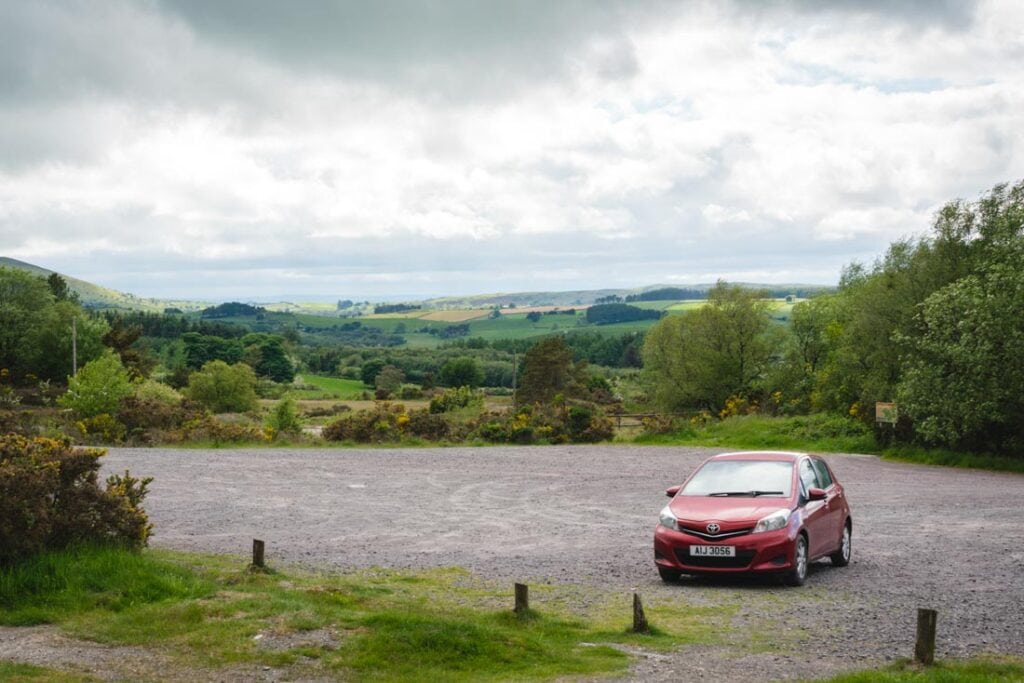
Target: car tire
pixel 841 557
pixel 798 573
pixel 669 575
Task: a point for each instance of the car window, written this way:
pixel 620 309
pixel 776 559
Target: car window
pixel 824 476
pixel 808 477
pixel 735 476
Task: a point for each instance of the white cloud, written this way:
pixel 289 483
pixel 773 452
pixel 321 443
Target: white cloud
pixel 534 146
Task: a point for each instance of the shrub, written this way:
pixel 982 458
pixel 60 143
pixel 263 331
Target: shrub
pixel 50 498
pixel 223 388
pixel 102 428
pixel 410 392
pixel 386 423
pixel 98 387
pixel 577 424
pixel 151 390
pixel 284 418
pixel 209 429
pixel 453 399
pixel 427 425
pixel 140 416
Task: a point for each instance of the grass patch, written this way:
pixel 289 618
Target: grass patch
pixel 330 387
pixel 209 612
pixel 981 670
pixel 934 456
pixel 57 585
pixel 818 432
pixel 11 672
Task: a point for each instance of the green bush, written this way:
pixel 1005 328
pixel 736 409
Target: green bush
pixel 50 499
pixel 388 423
pixel 151 390
pixel 284 418
pixel 98 387
pixel 223 388
pixel 548 423
pixel 453 399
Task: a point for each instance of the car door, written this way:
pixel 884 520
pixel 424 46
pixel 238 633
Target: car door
pixel 833 501
pixel 817 519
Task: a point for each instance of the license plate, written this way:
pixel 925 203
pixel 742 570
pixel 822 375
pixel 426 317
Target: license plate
pixel 712 551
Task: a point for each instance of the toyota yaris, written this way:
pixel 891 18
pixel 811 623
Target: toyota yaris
pixel 757 513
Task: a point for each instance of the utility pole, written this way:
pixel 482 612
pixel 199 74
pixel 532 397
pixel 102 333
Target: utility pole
pixel 74 347
pixel 515 367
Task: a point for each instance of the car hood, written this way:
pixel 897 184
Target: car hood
pixel 731 509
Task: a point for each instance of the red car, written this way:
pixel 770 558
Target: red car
pixel 759 512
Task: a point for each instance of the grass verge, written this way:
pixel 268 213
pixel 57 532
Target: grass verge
pixel 980 670
pixel 819 432
pixel 207 612
pixel 934 456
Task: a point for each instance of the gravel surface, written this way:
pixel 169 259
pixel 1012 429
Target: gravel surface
pixel 952 540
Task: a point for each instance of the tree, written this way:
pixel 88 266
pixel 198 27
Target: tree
pixel 963 379
pixel 548 370
pixel 223 388
pixel 533 316
pixel 370 369
pixel 60 290
pixel 461 372
pixel 389 379
pixel 267 356
pixel 705 356
pixel 98 387
pixel 22 298
pixel 48 345
pixel 121 339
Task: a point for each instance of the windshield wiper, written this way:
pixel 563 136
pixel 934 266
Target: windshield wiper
pixel 754 494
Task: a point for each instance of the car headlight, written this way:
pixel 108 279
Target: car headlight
pixel 667 519
pixel 774 521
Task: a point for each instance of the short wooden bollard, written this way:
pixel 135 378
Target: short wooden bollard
pixel 522 598
pixel 639 619
pixel 924 649
pixel 257 553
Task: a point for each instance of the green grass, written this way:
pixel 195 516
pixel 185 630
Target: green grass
pixel 443 624
pixel 946 458
pixel 818 432
pixel 330 387
pixel 981 670
pixel 823 433
pixel 53 586
pixel 11 672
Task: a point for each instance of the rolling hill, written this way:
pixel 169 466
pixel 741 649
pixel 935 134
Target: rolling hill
pixel 94 296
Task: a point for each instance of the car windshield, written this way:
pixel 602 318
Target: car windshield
pixel 741 478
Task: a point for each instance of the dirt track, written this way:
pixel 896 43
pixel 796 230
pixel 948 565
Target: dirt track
pixel 924 537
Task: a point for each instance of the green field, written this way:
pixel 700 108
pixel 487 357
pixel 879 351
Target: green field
pixel 508 326
pixel 330 387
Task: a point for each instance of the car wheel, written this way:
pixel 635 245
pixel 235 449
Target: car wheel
pixel 798 574
pixel 841 557
pixel 669 575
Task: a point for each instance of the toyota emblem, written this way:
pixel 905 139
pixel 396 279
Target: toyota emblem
pixel 713 528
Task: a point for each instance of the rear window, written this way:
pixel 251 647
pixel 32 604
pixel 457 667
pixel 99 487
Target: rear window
pixel 738 476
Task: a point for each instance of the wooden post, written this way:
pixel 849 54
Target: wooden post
pixel 924 649
pixel 639 619
pixel 522 598
pixel 257 553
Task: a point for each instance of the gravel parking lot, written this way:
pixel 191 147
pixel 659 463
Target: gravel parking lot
pixel 933 537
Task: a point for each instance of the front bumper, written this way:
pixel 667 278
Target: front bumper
pixel 771 551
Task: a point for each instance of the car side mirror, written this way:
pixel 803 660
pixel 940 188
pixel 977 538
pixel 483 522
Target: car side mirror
pixel 671 491
pixel 816 494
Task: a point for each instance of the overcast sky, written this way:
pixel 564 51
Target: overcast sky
pixel 245 149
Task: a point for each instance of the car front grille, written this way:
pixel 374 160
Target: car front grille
pixel 721 535
pixel 743 559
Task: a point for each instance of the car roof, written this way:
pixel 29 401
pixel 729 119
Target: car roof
pixel 782 456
